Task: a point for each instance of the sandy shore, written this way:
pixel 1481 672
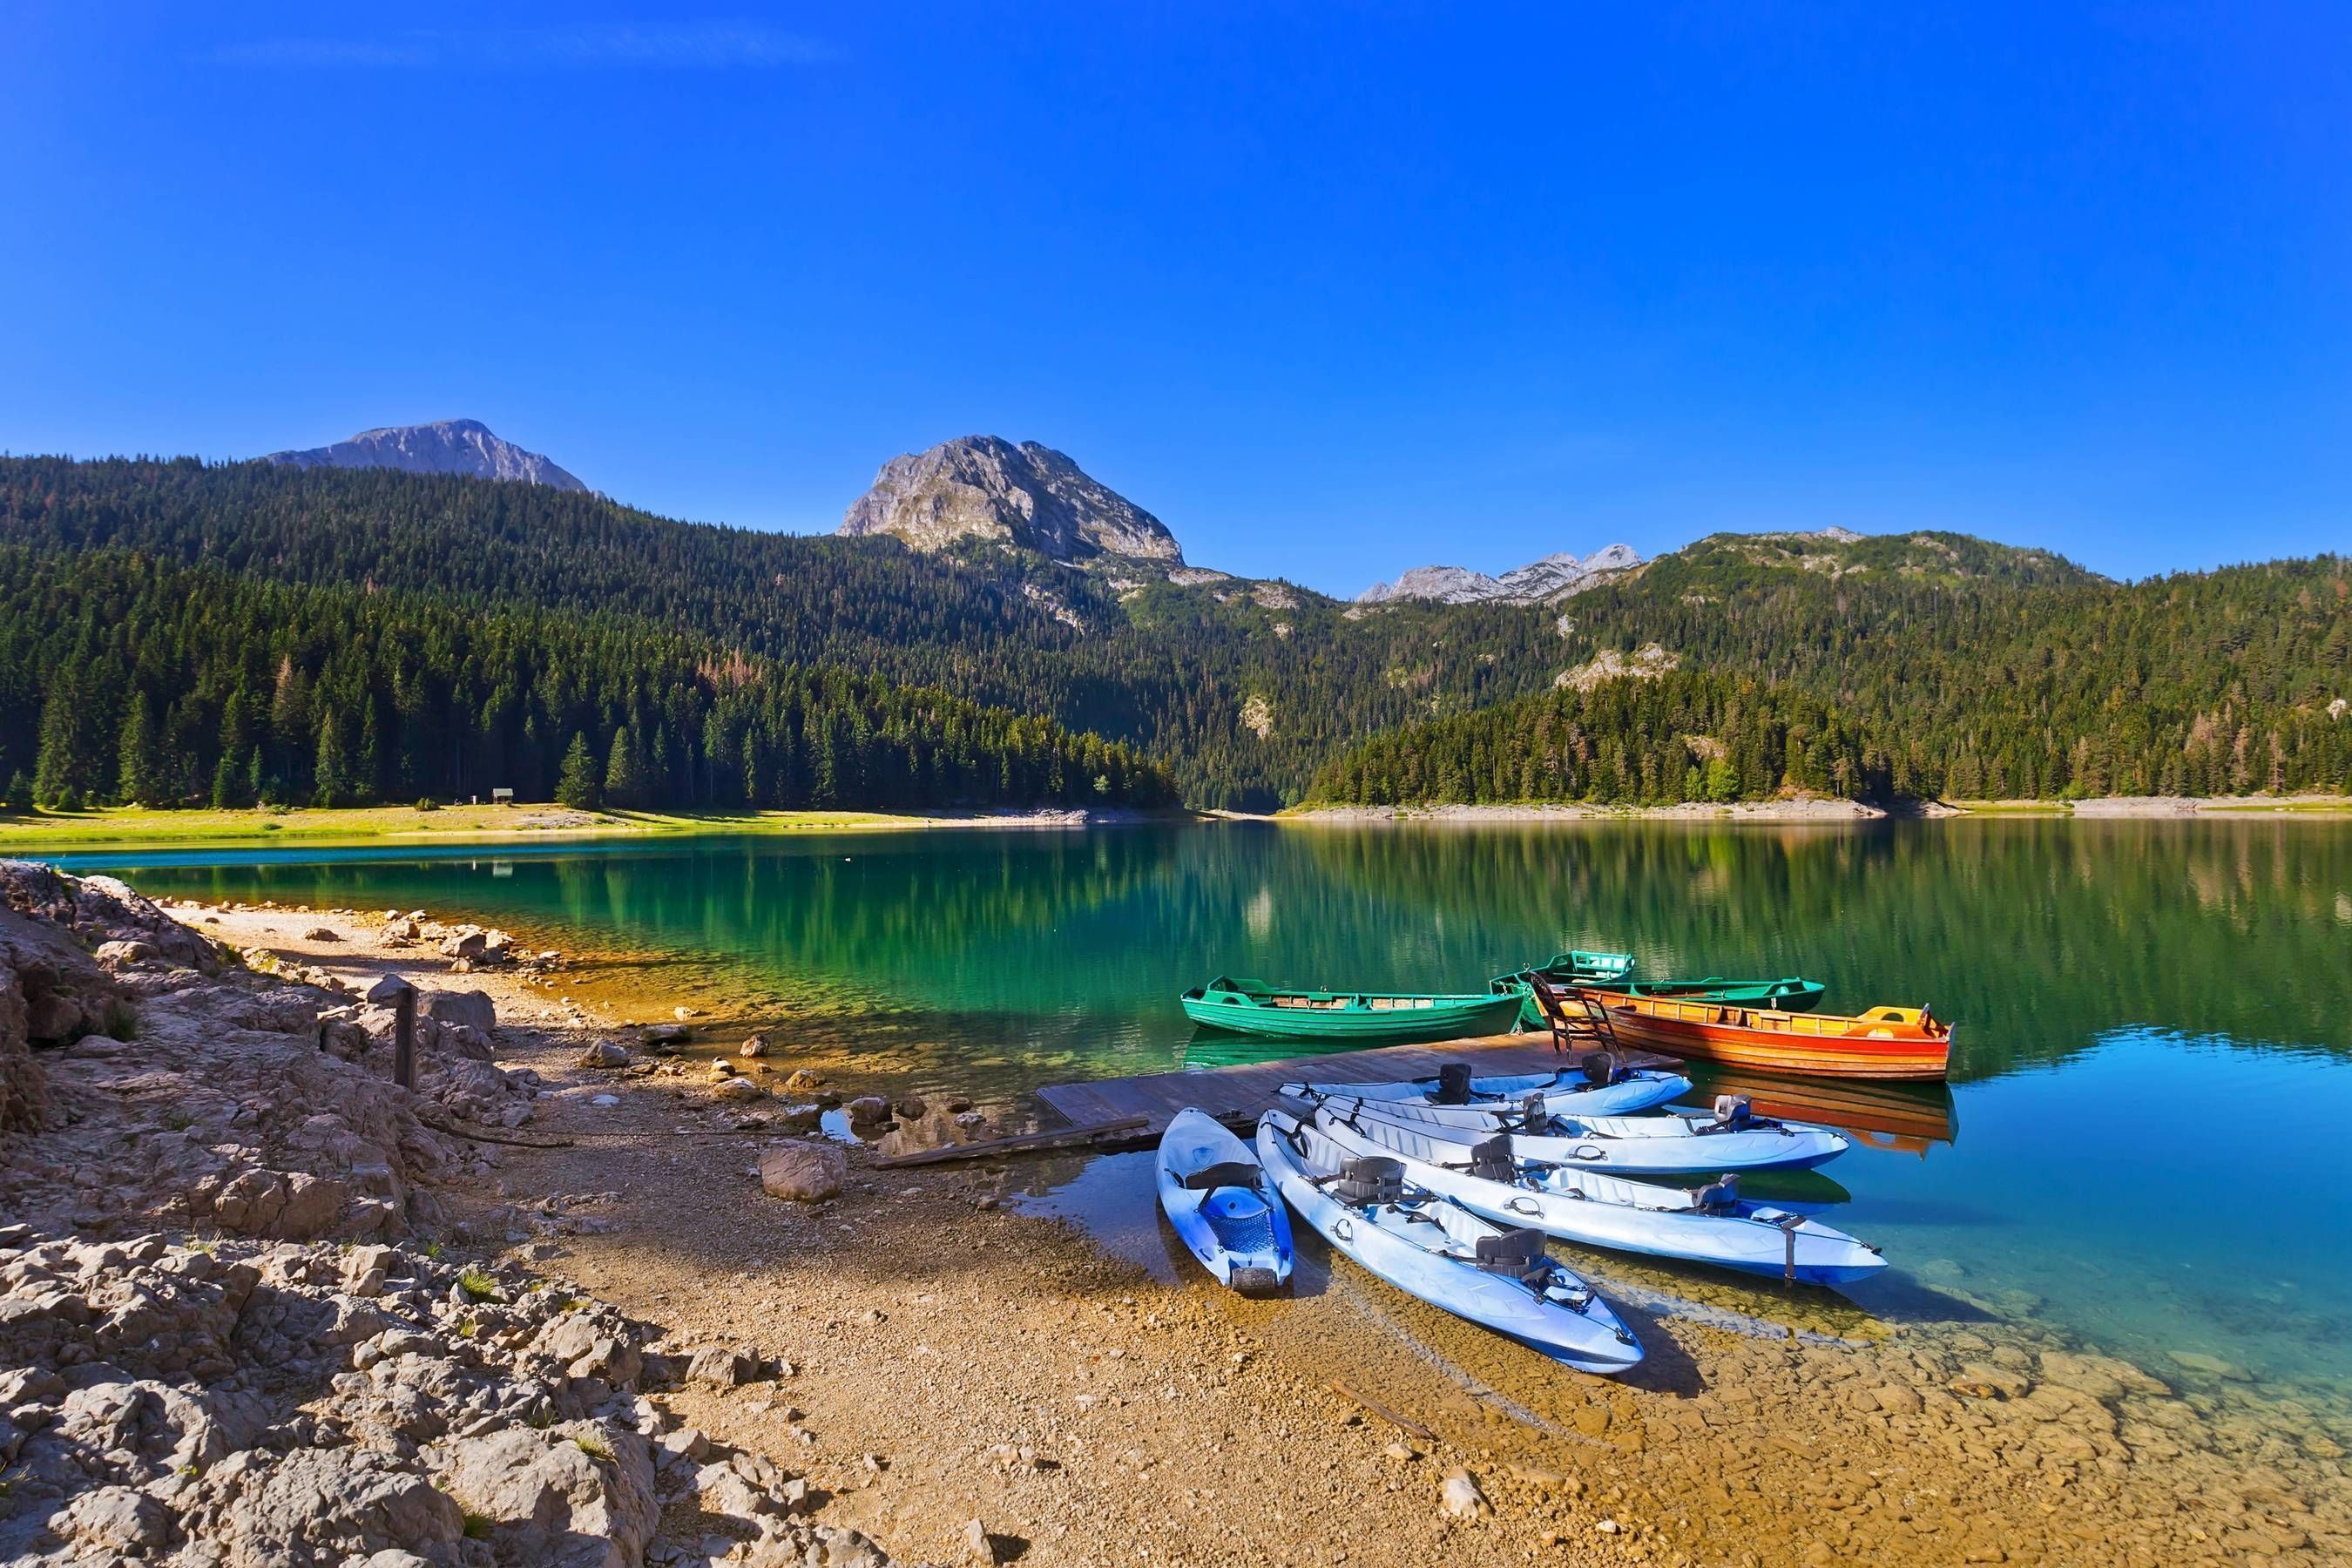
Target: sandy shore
pixel 956 1359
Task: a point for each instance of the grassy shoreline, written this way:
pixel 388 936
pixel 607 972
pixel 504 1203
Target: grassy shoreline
pixel 131 827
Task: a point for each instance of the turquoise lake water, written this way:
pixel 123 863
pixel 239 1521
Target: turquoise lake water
pixel 2145 1136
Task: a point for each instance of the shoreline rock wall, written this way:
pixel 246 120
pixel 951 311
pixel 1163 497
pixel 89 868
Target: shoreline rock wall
pixel 209 1355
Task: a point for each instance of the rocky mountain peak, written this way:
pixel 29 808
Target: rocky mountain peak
pixel 1028 496
pixel 1538 581
pixel 445 447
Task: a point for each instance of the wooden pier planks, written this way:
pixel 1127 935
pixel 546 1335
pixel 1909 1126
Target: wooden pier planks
pixel 1237 1094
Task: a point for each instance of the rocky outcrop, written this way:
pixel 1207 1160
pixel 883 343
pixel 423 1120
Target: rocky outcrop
pixel 175 1089
pixel 1029 497
pixel 1540 582
pixel 252 1404
pixel 446 447
pixel 1645 663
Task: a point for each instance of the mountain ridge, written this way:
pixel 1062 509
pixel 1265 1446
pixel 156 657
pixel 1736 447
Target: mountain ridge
pixel 1558 575
pixel 463 446
pixel 1026 495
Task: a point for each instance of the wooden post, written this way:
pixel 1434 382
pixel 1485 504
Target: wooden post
pixel 402 997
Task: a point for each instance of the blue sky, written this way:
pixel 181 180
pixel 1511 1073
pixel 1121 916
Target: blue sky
pixel 1334 291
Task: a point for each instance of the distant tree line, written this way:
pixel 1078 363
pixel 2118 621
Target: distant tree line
pixel 1948 665
pixel 125 678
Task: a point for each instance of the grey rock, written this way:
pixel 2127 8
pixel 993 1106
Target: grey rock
pixel 580 1495
pixel 469 1009
pixel 446 447
pixel 1029 496
pixel 804 1171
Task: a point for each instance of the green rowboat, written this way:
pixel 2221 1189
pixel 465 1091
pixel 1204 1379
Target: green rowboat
pixel 1577 968
pixel 1789 994
pixel 1352 1018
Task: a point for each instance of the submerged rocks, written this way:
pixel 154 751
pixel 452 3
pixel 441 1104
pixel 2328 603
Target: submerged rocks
pixel 804 1171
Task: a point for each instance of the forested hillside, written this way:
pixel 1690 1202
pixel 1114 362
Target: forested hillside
pixel 1919 663
pixel 2199 684
pixel 1169 669
pixel 126 678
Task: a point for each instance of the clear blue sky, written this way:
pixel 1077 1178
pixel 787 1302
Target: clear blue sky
pixel 1334 289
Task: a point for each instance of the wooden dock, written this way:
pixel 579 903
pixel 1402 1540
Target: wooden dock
pixel 1235 1095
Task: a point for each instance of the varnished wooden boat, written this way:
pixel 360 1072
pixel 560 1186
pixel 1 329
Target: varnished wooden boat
pixel 1356 1017
pixel 1885 1042
pixel 1909 1116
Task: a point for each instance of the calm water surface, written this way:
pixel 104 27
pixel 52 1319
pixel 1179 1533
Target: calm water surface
pixel 2145 1140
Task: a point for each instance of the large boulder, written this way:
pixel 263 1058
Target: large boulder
pixel 804 1171
pixel 469 1009
pixel 578 1495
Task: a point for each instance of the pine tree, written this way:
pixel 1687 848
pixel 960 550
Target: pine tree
pixel 20 791
pixel 138 777
pixel 576 786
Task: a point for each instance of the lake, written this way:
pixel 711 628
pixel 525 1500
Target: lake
pixel 2152 1075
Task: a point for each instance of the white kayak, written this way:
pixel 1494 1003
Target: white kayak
pixel 1496 1276
pixel 1596 1089
pixel 1221 1204
pixel 1714 1226
pixel 1732 1139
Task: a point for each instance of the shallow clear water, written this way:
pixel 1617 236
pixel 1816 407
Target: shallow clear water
pixel 2152 1080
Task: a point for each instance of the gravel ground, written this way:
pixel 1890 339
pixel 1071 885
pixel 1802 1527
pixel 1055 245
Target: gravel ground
pixel 956 1360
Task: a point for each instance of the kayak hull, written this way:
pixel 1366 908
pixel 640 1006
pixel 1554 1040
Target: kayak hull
pixel 1382 1239
pixel 1621 1215
pixel 1623 1145
pixel 1240 1235
pixel 1252 1008
pixel 1568 1092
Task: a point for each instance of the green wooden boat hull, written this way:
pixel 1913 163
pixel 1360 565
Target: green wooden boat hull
pixel 1346 1017
pixel 1790 994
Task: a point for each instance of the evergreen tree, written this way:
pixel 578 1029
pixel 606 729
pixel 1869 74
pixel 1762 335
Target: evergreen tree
pixel 139 779
pixel 577 785
pixel 20 791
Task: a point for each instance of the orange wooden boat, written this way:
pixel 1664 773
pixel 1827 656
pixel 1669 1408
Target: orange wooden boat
pixel 1911 1117
pixel 1885 1042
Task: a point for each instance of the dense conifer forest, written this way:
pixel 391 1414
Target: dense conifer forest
pixel 126 679
pixel 1903 665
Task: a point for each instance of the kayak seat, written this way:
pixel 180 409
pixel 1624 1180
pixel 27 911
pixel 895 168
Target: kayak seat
pixel 1600 1070
pixel 1732 1114
pixel 1224 1173
pixel 1533 1112
pixel 1453 1084
pixel 1245 1226
pixel 1370 1179
pixel 1720 1195
pixel 1490 1161
pixel 1520 1254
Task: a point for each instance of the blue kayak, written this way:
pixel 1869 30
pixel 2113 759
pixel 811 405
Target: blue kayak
pixel 1714 1226
pixel 1733 1139
pixel 1430 1246
pixel 1221 1204
pixel 1569 1091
